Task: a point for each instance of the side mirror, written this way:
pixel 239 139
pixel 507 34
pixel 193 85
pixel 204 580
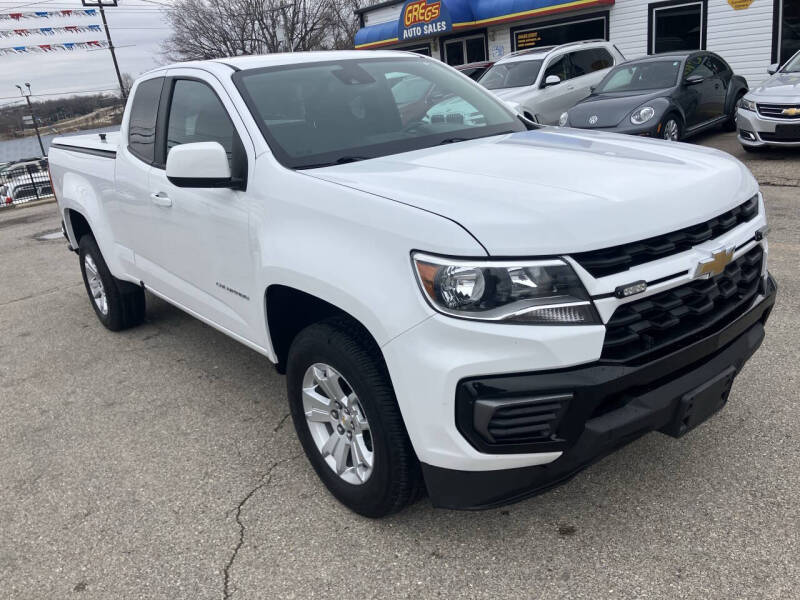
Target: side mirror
pixel 592 89
pixel 694 79
pixel 773 68
pixel 552 80
pixel 199 165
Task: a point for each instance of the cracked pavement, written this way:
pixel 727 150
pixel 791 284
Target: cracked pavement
pixel 160 463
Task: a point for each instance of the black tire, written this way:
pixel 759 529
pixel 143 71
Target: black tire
pixel 665 124
pixel 125 301
pixel 395 480
pixel 730 124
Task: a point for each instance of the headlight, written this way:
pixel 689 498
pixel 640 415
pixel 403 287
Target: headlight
pixel 563 119
pixel 544 292
pixel 747 104
pixel 643 115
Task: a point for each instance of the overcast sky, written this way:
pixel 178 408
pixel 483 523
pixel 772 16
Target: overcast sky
pixel 137 27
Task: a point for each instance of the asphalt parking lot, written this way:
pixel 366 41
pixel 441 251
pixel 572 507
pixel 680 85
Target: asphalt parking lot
pixel 159 463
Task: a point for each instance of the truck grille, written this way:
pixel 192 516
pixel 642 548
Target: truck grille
pixel 617 259
pixel 654 325
pixel 775 111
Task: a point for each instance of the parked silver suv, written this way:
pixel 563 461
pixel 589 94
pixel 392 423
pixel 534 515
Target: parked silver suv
pixel 544 82
pixel 770 114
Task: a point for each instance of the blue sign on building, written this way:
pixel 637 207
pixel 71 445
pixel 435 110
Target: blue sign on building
pixel 422 18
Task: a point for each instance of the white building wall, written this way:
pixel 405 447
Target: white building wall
pixel 742 37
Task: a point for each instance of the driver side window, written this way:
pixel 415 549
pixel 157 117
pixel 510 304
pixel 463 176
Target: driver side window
pixel 196 114
pixel 559 67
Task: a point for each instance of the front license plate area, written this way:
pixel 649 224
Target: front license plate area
pixel 699 404
pixel 787 132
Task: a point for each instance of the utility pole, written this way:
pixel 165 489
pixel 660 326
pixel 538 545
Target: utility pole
pixel 33 116
pixel 99 4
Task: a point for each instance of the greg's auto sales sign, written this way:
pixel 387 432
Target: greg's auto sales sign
pixel 421 18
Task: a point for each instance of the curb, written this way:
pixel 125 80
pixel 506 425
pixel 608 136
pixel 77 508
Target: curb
pixel 30 204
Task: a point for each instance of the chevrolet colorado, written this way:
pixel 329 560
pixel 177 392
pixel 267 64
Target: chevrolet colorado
pixel 462 301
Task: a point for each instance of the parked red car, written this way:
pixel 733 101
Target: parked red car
pixel 476 69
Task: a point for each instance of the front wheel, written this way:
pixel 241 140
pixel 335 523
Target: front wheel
pixel 347 418
pixel 730 123
pixel 671 129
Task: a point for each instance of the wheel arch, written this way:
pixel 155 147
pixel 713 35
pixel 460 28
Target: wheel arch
pixel 289 310
pixel 77 226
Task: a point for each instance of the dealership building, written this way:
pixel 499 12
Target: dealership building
pixel 749 34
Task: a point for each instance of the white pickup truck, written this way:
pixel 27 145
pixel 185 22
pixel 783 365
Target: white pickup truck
pixel 463 302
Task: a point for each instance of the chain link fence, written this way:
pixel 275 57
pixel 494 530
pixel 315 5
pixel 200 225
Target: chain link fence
pixel 24 181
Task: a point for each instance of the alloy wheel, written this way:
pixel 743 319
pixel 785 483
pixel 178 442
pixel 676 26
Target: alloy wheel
pixel 671 130
pixel 337 423
pixel 95 285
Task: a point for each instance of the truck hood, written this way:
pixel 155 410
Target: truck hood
pixel 556 191
pixel 780 85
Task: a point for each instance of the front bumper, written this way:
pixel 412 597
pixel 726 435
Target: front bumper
pixel 613 405
pixel 757 131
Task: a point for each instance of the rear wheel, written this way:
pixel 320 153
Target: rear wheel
pixel 118 304
pixel 671 128
pixel 348 421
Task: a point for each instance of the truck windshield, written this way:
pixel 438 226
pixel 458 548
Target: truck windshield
pixel 649 75
pixel 320 114
pixel 511 74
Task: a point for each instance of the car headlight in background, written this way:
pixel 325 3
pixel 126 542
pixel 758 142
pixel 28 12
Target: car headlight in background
pixel 563 120
pixel 642 115
pixel 747 104
pixel 543 292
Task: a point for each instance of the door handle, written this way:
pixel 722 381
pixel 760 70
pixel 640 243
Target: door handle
pixel 161 199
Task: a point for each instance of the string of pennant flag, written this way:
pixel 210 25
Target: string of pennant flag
pixel 47 14
pixel 62 47
pixel 8 33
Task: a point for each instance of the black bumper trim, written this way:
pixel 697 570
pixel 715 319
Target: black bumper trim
pixel 620 404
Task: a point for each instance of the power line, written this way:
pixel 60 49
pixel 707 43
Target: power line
pixel 62 93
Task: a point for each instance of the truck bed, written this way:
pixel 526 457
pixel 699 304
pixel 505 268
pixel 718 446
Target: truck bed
pixel 90 143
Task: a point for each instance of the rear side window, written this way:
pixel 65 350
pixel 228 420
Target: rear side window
pixel 589 61
pixel 142 123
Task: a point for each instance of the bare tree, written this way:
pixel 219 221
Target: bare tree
pixel 204 29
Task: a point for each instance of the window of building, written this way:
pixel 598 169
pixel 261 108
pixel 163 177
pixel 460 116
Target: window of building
pixel 142 122
pixel 554 33
pixel 675 26
pixel 465 50
pixel 787 30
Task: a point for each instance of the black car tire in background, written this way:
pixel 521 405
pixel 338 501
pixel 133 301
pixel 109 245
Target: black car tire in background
pixel 671 128
pixel 730 124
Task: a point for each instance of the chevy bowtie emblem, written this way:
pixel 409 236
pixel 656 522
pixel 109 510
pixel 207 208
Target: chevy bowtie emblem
pixel 592 119
pixel 715 265
pixel 791 112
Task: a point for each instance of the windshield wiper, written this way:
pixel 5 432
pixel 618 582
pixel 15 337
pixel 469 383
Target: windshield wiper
pixel 348 159
pixel 454 140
